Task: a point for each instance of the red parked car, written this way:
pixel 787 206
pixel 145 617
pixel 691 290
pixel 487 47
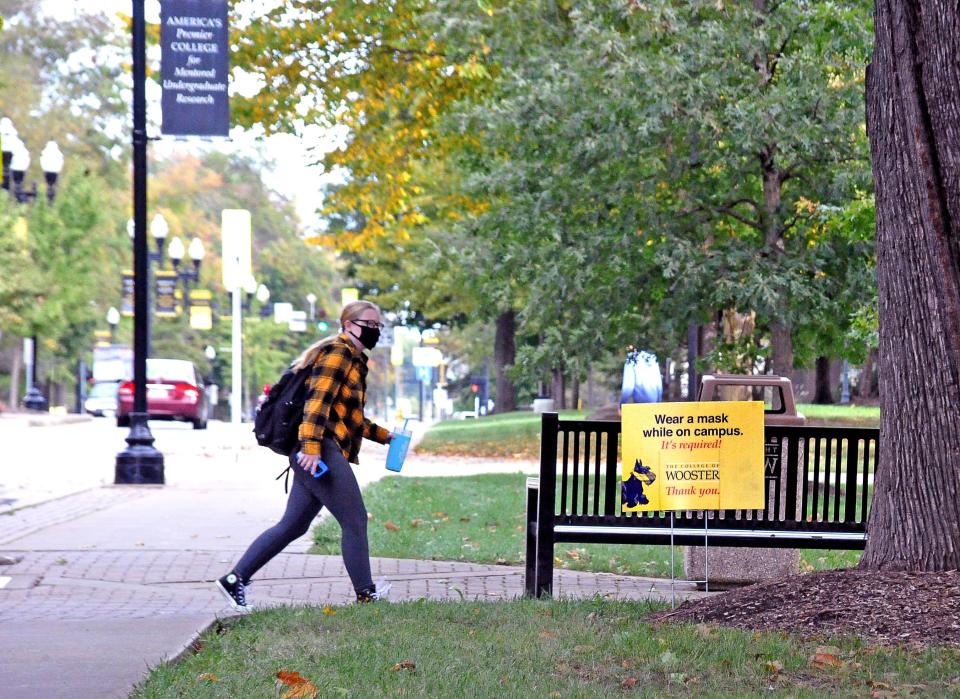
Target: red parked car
pixel 174 392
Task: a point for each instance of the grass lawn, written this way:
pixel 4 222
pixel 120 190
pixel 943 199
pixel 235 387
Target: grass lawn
pixel 511 435
pixel 481 519
pixel 517 435
pixel 529 648
pixel 841 415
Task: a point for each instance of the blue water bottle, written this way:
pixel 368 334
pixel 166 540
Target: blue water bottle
pixel 398 448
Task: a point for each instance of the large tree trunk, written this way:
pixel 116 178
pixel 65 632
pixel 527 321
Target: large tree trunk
pixel 504 354
pixel 913 120
pixel 824 392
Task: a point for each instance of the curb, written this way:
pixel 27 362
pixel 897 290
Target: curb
pixel 190 647
pixel 45 420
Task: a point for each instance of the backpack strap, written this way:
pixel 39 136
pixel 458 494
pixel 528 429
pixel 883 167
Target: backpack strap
pixel 286 480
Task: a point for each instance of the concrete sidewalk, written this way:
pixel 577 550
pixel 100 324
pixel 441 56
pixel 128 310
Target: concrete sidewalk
pixel 98 587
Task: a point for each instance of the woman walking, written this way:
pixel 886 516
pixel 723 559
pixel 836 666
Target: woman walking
pixel 332 429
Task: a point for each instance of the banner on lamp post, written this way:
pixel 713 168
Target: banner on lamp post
pixel 194 67
pixel 166 294
pixel 201 313
pixel 126 306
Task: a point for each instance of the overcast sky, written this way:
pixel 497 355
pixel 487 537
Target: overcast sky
pixel 292 176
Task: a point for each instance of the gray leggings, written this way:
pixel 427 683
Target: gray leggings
pixel 338 491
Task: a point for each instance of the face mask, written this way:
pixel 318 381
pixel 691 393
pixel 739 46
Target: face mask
pixel 368 336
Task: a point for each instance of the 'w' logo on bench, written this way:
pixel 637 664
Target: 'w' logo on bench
pixel 632 489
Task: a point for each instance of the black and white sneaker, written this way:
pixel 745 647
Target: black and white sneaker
pixel 234 590
pixel 378 593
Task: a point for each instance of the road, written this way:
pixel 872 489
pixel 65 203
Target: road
pixel 40 463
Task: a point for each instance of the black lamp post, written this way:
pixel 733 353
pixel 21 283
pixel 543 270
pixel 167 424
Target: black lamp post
pixel 16 162
pixel 140 462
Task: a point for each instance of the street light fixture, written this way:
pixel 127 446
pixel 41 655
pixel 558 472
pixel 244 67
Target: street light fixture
pixel 159 228
pixel 312 300
pixel 16 162
pixel 176 252
pixel 7 135
pixel 263 295
pixel 51 161
pixel 113 318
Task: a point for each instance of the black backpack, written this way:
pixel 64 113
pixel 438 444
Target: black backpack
pixel 277 422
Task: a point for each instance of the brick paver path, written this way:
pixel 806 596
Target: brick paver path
pixel 131 583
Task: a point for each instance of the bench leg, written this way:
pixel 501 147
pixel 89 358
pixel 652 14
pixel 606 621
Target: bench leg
pixel 530 577
pixel 544 563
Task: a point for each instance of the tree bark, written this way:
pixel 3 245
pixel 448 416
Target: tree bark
pixel 16 366
pixel 504 355
pixel 913 121
pixel 575 392
pixel 824 392
pixel 866 387
pixel 559 389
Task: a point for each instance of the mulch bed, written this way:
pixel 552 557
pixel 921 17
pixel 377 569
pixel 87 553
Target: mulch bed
pixel 883 607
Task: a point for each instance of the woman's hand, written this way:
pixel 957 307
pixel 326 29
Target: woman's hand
pixel 309 462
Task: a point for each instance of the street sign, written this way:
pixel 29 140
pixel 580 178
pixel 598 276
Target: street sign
pixel 423 374
pixel 282 312
pixel 396 354
pixel 427 356
pixel 237 232
pixel 297 322
pixel 194 67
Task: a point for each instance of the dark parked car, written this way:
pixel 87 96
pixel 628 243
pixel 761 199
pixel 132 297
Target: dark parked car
pixel 174 392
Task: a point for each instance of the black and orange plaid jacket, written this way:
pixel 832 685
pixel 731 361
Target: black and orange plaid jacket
pixel 336 391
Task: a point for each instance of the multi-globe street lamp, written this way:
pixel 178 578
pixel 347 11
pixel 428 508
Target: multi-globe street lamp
pixel 187 275
pixel 16 162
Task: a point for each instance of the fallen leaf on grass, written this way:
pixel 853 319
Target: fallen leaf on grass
pixel 439 514
pixel 826 656
pixel 878 685
pixel 548 634
pixel 667 658
pixel 207 677
pixel 575 555
pixel 329 611
pixel 404 665
pixel 774 667
pixel 390 526
pixel 416 523
pixel 629 682
pixel 464 519
pixel 299 686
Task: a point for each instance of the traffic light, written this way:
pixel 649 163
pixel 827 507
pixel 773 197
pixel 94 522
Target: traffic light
pixel 323 326
pixel 475 387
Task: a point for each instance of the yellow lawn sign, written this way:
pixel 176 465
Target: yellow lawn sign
pixel 692 456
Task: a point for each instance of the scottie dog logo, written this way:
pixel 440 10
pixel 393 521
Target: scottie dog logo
pixel 632 493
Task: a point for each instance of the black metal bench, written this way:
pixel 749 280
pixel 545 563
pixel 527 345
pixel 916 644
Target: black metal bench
pixel 818 490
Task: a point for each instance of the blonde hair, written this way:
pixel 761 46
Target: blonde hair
pixel 351 311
